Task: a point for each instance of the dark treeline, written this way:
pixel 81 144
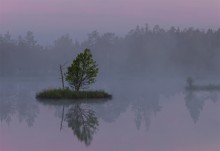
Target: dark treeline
pixel 141 50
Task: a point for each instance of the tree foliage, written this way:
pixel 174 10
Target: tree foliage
pixel 83 71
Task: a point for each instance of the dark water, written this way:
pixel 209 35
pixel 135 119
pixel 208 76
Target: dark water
pixel 144 115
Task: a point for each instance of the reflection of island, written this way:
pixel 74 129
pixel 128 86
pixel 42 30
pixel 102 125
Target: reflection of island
pixel 80 117
pixel 195 101
pixel 83 122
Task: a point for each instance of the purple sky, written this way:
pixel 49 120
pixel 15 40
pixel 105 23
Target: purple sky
pixel 119 16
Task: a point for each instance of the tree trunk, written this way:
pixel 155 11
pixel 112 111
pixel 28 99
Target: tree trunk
pixel 77 88
pixel 61 73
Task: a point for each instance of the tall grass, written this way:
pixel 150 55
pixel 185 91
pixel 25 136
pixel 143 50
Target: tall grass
pixel 70 94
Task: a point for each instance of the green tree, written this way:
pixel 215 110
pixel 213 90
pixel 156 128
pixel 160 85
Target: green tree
pixel 82 71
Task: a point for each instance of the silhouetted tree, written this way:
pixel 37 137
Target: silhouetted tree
pixel 83 71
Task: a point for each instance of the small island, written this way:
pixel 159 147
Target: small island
pixel 69 94
pixel 192 87
pixel 80 74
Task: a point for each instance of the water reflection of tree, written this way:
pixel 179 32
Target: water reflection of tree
pixel 7 108
pixel 15 101
pixel 83 122
pixel 213 96
pixel 6 111
pixel 111 110
pixel 27 111
pixel 195 102
pixel 145 109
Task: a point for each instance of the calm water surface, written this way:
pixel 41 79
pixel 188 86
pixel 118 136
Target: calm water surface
pixel 144 115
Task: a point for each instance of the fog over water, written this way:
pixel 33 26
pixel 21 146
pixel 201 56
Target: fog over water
pixel 147 71
pixel 164 76
pixel 144 114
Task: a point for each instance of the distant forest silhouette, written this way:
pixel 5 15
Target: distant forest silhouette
pixel 141 50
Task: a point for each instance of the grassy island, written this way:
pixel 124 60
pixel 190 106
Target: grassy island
pixel 70 94
pixel 192 87
pixel 80 74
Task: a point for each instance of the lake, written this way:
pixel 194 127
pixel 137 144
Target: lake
pixel 143 115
